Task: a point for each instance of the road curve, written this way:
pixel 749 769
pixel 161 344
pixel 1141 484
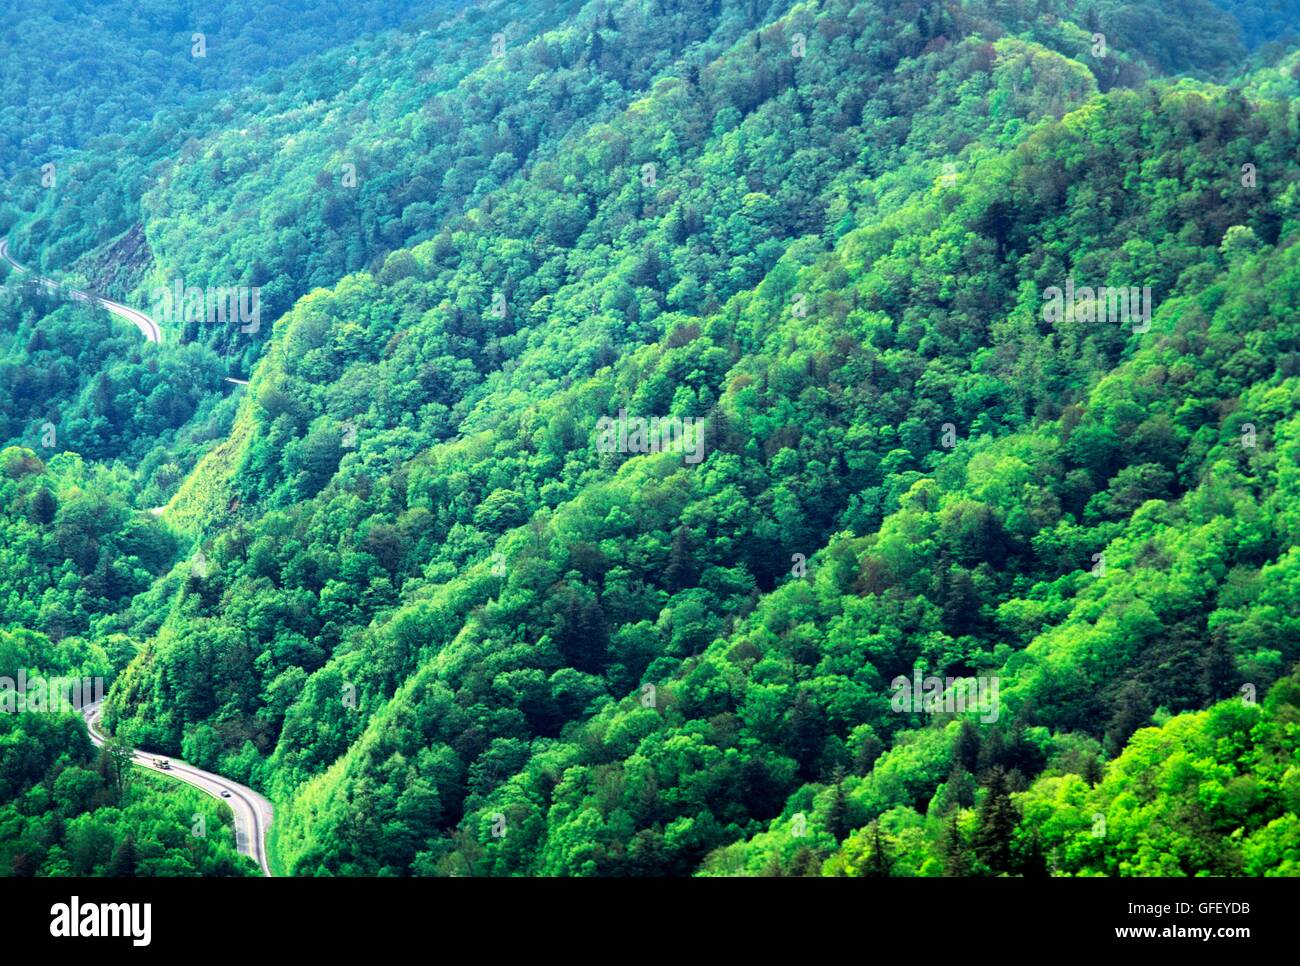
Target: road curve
pixel 253 813
pixel 146 325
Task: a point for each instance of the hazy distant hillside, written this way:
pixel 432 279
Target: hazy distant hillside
pixel 74 71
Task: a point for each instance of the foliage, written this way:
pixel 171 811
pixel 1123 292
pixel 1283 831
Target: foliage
pixel 448 634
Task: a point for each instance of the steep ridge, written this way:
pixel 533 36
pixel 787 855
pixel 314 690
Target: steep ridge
pixel 866 335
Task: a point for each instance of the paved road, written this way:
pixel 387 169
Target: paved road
pixel 253 813
pixel 146 325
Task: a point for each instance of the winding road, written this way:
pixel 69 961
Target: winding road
pixel 146 325
pixel 253 813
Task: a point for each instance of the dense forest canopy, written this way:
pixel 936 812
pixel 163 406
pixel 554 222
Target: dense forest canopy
pixel 957 579
pixel 75 72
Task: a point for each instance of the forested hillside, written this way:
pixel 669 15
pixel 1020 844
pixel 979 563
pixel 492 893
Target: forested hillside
pixel 1264 21
pixel 405 584
pixel 74 73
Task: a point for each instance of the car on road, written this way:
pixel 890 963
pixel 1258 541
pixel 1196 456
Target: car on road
pixel 225 793
pixel 162 763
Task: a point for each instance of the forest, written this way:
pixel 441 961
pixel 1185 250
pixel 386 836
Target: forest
pixel 403 584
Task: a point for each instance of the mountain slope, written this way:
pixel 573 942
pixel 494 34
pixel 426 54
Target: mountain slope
pixel 451 624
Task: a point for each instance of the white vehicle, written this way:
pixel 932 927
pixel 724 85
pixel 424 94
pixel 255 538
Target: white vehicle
pixel 162 763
